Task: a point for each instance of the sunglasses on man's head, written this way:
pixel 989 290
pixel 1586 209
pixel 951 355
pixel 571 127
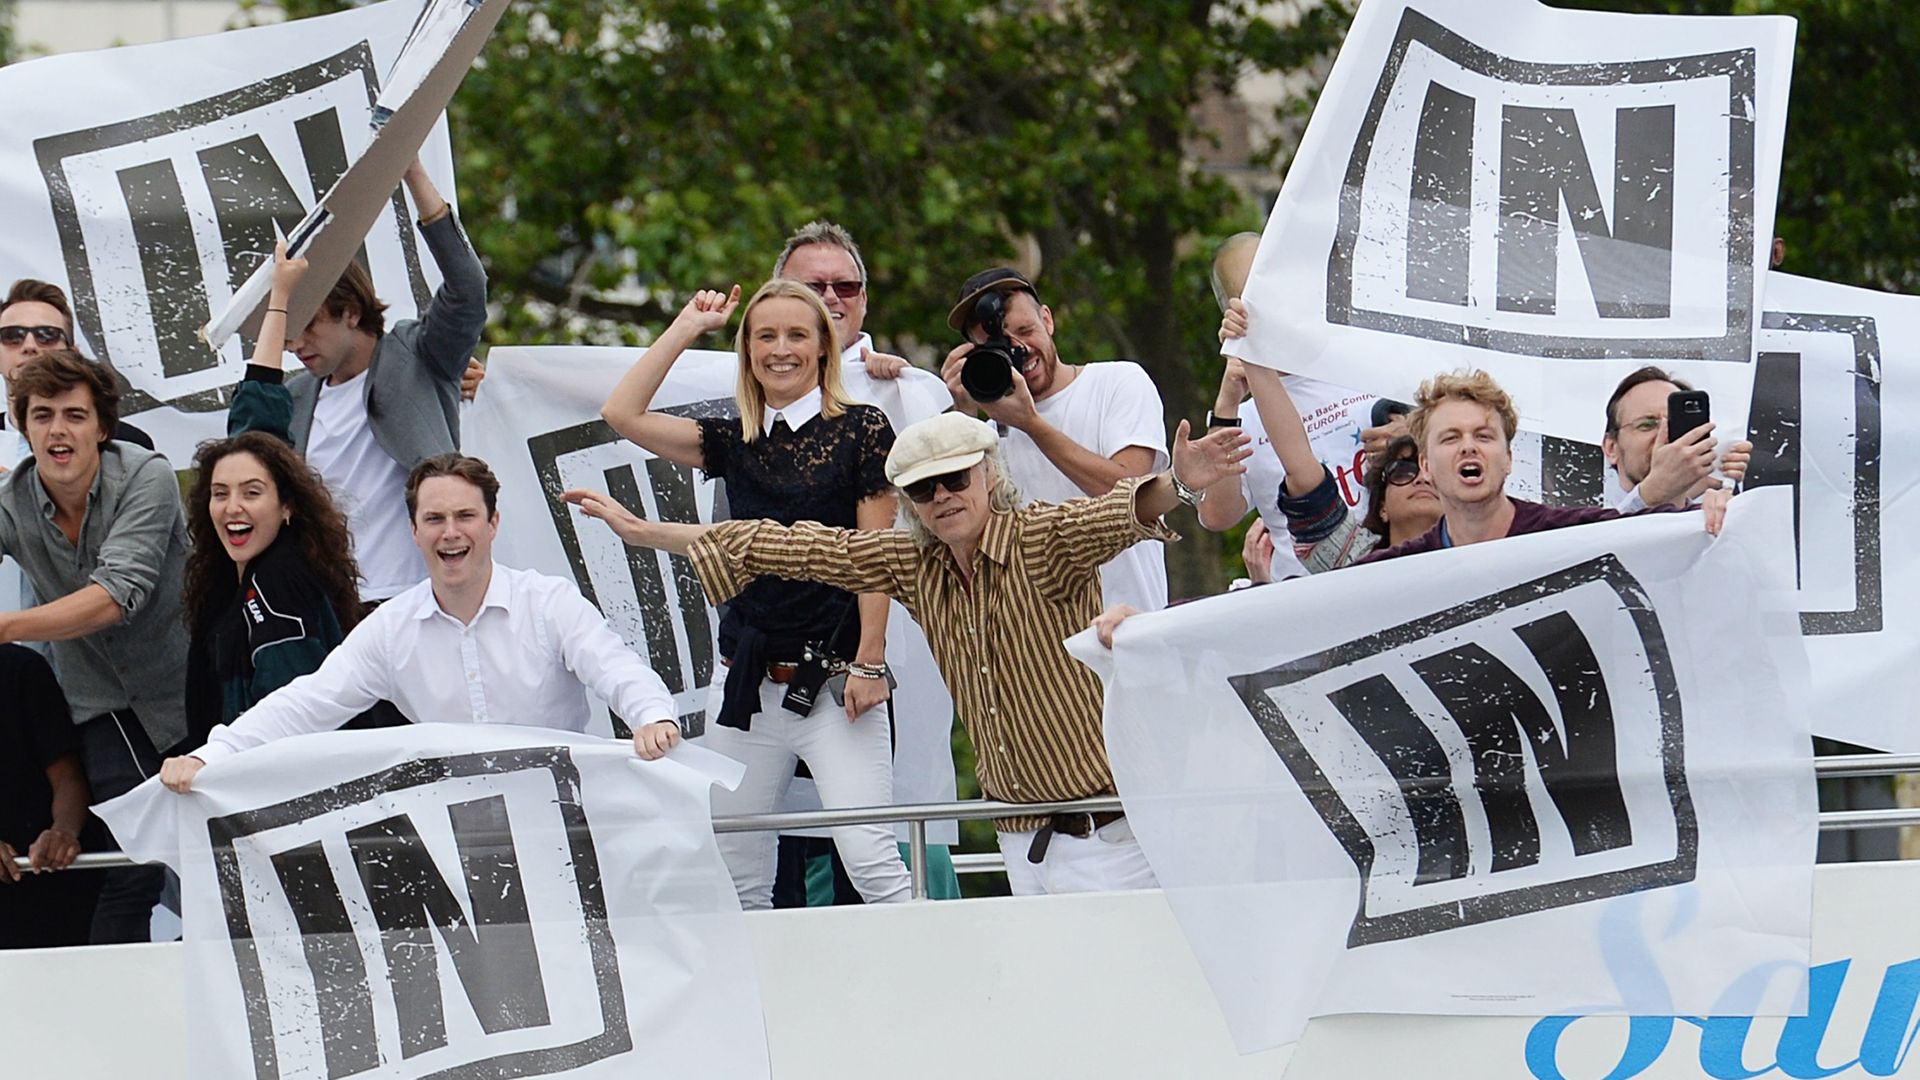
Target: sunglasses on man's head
pixel 1403 471
pixel 921 491
pixel 845 290
pixel 45 335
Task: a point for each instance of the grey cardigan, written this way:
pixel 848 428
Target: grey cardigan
pixel 413 382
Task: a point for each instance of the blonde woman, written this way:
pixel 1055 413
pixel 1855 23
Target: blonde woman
pixel 799 451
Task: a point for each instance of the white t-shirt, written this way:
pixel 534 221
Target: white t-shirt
pixel 369 485
pixel 1106 408
pixel 1334 417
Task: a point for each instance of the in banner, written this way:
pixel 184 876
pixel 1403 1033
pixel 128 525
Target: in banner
pixel 1560 772
pixel 1557 197
pixel 455 900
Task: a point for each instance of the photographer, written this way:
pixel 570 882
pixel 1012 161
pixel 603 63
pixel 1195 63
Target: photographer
pixel 1066 431
pixel 997 586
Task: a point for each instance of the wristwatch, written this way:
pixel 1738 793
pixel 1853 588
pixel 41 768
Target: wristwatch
pixel 1221 421
pixel 1185 494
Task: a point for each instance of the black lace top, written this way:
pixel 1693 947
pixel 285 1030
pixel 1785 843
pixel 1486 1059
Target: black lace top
pixel 819 473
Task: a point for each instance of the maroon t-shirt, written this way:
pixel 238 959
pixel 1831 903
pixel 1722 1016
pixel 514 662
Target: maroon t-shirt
pixel 1528 517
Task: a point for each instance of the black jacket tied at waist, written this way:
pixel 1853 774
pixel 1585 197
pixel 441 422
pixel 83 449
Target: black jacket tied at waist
pixel 749 650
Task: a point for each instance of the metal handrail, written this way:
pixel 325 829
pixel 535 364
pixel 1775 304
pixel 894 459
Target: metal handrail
pixel 917 815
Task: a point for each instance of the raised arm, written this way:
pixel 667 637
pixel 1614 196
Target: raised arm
pixel 450 328
pixel 676 438
pixel 261 402
pixel 1225 503
pixel 1287 431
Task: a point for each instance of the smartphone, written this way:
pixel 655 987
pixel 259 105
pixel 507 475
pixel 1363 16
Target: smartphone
pixel 1686 410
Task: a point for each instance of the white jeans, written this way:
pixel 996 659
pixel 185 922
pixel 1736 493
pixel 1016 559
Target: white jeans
pixel 852 765
pixel 1108 859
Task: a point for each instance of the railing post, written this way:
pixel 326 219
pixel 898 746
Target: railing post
pixel 917 857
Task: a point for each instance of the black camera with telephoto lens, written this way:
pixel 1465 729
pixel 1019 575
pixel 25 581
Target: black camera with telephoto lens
pixel 989 370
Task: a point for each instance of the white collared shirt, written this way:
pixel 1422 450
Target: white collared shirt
pixel 796 414
pixel 851 354
pixel 531 653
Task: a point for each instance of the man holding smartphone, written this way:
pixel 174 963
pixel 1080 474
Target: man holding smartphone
pixel 1654 465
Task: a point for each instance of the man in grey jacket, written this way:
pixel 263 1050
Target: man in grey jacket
pixel 373 401
pixel 97 527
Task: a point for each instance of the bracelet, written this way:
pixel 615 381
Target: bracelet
pixel 279 310
pixel 866 671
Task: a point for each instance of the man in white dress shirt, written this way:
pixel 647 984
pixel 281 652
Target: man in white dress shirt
pixel 475 643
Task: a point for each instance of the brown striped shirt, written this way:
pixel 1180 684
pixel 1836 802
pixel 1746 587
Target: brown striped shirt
pixel 1032 711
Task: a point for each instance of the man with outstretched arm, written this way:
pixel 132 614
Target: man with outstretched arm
pixel 997 587
pixel 476 643
pixel 97 528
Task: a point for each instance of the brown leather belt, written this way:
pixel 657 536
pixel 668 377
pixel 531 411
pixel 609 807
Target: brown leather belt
pixel 782 673
pixel 1075 825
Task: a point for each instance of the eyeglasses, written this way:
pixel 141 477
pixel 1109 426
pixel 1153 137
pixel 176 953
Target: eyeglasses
pixel 1403 472
pixel 45 335
pixel 921 491
pixel 845 290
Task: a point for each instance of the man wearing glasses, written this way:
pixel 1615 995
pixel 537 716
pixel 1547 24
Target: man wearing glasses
pixel 35 319
pixel 823 257
pixel 1652 470
pixel 997 586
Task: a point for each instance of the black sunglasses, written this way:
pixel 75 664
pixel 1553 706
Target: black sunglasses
pixel 845 290
pixel 921 491
pixel 45 335
pixel 1403 471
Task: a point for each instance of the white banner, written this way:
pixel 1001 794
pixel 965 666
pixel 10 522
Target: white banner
pixel 1483 780
pixel 1834 419
pixel 537 422
pixel 149 181
pixel 455 900
pixel 1557 197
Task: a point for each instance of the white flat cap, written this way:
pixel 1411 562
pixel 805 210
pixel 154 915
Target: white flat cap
pixel 938 445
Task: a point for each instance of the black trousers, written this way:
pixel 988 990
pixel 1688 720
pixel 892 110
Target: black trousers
pixel 118 756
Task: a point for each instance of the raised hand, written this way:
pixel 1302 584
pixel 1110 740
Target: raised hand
pixel 287 273
pixel 708 311
pixel 950 374
pixel 1233 322
pixel 1202 463
pixel 621 520
pixel 1257 552
pixel 1681 468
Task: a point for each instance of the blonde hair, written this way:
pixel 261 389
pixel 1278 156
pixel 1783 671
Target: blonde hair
pixel 1004 498
pixel 1475 386
pixel 747 394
